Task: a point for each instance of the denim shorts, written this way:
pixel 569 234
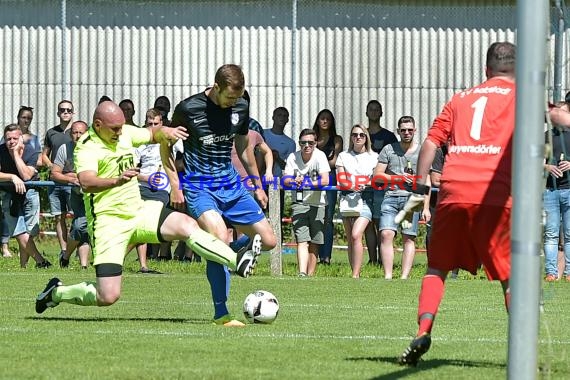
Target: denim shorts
pixel 59 199
pixel 391 205
pixel 26 217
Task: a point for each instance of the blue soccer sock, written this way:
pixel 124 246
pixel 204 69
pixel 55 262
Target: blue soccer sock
pixel 239 243
pixel 219 279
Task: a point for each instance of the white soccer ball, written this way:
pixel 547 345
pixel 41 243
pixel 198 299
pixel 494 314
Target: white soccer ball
pixel 260 307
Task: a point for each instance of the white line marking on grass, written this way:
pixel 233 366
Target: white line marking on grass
pixel 296 306
pixel 257 334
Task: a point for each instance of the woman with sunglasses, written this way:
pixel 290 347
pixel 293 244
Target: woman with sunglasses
pixel 354 168
pixel 331 144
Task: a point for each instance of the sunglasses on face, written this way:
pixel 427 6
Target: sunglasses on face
pixel 306 143
pixel 65 110
pixel 407 130
pixel 358 135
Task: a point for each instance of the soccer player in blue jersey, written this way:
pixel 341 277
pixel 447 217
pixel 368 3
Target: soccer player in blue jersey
pixel 210 188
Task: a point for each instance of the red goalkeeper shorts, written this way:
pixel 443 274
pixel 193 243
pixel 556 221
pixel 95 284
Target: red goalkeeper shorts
pixel 468 235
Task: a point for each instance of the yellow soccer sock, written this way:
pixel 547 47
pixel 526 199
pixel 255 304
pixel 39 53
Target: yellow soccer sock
pixel 211 248
pixel 84 294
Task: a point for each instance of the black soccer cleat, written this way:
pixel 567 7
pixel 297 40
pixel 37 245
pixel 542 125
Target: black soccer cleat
pixel 63 262
pixel 247 257
pixel 44 300
pixel 43 265
pixel 419 346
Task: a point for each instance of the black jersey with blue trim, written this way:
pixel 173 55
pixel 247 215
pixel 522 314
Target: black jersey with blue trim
pixel 207 150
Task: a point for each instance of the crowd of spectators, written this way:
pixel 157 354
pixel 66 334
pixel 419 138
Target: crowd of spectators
pixel 367 207
pixel 275 152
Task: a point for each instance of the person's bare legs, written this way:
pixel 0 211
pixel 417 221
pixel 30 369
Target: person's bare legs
pixel 303 257
pixel 313 256
pixel 28 249
pixel 83 251
pixel 61 231
pixel 141 254
pixel 408 255
pixel 264 230
pixel 371 238
pixel 387 252
pixel 360 225
pixel 6 250
pixel 347 222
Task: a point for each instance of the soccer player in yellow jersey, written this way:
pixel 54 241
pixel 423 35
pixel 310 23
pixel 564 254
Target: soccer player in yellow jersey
pixel 119 218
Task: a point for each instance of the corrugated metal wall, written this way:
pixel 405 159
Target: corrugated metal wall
pixel 411 58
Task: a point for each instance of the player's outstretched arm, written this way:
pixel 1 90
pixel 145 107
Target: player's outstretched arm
pixel 167 134
pixel 91 183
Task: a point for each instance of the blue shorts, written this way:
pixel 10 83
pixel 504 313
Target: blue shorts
pixel 391 205
pixel 235 205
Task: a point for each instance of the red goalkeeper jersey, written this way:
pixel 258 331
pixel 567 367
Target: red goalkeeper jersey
pixel 479 124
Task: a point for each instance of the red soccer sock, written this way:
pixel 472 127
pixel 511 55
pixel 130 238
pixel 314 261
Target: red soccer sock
pixel 430 298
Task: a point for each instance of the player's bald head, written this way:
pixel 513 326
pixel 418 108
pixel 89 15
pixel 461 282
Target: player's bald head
pixel 108 121
pixel 108 113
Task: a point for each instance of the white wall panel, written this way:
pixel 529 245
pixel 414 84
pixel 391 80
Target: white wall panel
pixel 411 58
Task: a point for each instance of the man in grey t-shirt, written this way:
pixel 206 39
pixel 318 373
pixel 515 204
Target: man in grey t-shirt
pixel 397 164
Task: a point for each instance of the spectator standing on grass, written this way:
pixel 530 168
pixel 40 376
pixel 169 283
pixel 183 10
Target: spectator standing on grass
pixel 62 171
pixel 307 171
pixel 556 198
pixel 379 138
pixel 330 143
pixel 59 195
pixel 216 119
pixel 355 164
pixel 472 222
pixel 117 216
pixel 394 163
pixel 20 215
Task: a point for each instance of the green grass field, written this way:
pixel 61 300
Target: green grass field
pixel 330 327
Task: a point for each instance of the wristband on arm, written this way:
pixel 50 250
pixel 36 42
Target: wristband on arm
pixel 420 189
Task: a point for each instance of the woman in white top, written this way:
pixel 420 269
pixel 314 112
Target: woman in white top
pixel 354 170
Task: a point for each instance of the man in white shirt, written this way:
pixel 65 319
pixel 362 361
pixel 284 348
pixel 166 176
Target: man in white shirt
pixel 305 170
